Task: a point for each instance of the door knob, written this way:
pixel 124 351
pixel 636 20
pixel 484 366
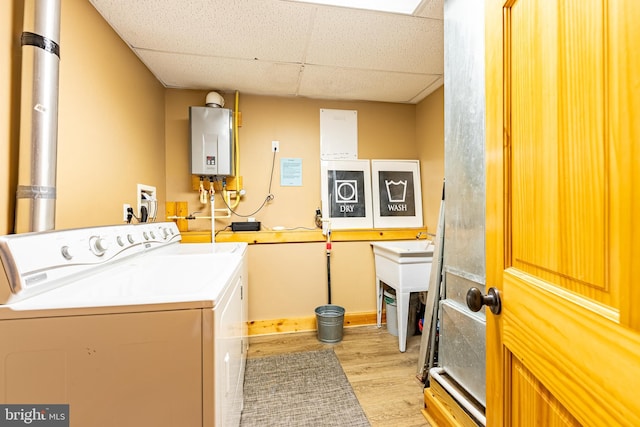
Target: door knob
pixel 475 300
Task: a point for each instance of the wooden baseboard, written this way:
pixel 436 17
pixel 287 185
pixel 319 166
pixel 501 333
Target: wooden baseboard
pixel 277 326
pixel 442 410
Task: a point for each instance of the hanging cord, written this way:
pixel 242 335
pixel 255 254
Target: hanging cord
pixel 226 228
pixel 267 199
pixel 144 214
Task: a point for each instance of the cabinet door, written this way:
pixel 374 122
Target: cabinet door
pixel 131 370
pixel 563 190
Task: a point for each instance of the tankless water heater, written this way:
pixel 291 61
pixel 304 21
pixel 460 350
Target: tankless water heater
pixel 211 135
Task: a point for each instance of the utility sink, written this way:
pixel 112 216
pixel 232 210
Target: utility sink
pixel 404 265
pixel 396 249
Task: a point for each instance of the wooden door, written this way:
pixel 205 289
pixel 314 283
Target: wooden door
pixel 563 211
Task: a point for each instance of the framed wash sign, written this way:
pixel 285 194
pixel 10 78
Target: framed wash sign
pixel 346 193
pixel 397 193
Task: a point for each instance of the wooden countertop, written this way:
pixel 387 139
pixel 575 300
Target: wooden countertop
pixel 302 236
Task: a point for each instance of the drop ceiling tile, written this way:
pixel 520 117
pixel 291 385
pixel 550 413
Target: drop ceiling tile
pixel 202 72
pixel 263 46
pixel 269 30
pixel 377 41
pixel 349 84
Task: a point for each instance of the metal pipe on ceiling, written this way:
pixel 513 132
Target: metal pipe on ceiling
pixel 36 192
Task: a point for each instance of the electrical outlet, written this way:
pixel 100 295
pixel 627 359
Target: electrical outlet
pixel 125 207
pixel 275 146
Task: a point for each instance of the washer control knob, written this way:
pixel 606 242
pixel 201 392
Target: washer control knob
pixel 67 253
pixel 120 241
pixel 98 245
pixel 165 233
pixel 131 239
pixel 145 235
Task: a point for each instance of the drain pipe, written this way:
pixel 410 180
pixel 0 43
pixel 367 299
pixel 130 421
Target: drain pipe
pixel 36 192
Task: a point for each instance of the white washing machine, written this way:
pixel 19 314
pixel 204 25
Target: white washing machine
pixel 124 324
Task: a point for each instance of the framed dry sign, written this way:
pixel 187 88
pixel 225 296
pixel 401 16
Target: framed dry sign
pixel 346 193
pixel 397 193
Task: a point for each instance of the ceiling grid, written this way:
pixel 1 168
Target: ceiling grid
pixel 285 47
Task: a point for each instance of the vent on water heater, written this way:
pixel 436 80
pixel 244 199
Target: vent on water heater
pixel 211 135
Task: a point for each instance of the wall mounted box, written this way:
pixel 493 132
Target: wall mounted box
pixel 211 136
pixel 245 226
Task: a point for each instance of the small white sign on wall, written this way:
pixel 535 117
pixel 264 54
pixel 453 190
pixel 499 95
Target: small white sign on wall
pixel 338 134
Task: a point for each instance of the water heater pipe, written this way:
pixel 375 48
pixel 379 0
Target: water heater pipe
pixel 36 192
pixel 236 139
pixel 236 158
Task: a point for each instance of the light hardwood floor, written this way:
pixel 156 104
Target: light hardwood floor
pixel 383 379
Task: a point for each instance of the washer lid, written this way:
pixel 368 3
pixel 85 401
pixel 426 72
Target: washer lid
pixel 153 279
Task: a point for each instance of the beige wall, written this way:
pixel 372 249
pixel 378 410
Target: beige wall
pixel 289 280
pixel 111 128
pixel 110 121
pixel 430 145
pixel 384 131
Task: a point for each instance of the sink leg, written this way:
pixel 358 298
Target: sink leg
pixel 402 299
pixel 379 288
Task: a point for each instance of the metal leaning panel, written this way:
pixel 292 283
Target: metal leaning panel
pixel 462 332
pixel 463 355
